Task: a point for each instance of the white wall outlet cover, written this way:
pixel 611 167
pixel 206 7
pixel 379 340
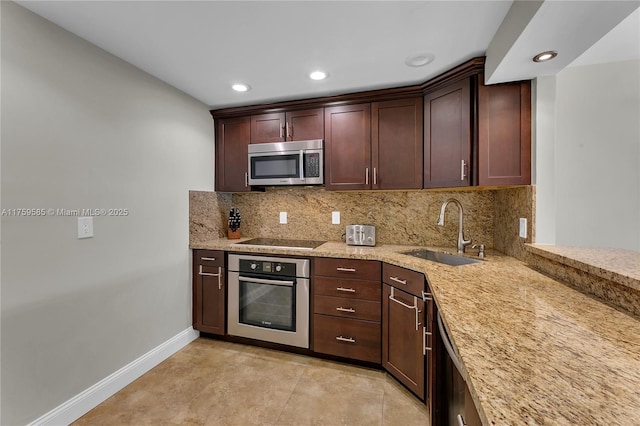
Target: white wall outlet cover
pixel 85 227
pixel 523 227
pixel 283 217
pixel 335 218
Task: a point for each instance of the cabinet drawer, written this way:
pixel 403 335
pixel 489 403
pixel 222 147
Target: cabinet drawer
pixel 357 289
pixel 347 338
pixel 347 307
pixel 405 279
pixel 348 268
pixel 209 257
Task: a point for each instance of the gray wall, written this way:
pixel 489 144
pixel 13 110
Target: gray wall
pixel 588 140
pixel 83 129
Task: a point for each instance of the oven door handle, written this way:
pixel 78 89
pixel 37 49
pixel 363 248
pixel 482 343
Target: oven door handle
pixel 263 281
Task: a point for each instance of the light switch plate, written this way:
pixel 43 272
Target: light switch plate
pixel 335 218
pixel 283 218
pixel 523 227
pixel 85 227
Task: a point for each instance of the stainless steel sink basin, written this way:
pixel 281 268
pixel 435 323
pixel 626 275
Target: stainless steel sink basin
pixel 447 259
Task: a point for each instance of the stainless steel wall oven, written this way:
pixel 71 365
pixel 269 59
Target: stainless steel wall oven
pixel 268 299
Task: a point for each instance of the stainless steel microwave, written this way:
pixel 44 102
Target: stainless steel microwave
pixel 286 163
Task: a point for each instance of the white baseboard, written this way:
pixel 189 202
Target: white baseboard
pixel 88 399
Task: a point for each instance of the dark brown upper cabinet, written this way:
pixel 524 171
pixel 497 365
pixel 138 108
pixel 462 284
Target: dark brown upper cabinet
pixel 347 147
pixel 504 134
pixel 396 144
pixel 477 135
pixel 290 126
pixel 472 134
pixel 447 136
pixel 232 142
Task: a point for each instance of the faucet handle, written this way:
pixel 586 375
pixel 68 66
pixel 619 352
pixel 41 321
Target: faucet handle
pixel 480 249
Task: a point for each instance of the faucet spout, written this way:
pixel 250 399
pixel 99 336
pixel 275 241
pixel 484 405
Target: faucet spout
pixel 462 243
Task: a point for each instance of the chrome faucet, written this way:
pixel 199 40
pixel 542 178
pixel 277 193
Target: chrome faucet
pixel 462 243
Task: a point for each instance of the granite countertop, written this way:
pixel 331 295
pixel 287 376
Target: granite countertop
pixel 534 351
pixel 618 265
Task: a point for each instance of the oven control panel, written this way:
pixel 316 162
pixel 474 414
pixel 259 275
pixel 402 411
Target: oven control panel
pixel 267 267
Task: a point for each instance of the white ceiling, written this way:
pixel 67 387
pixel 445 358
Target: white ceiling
pixel 203 47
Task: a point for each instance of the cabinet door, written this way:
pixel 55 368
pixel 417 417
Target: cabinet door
pixel 305 125
pixel 208 298
pixel 267 128
pixel 447 136
pixel 347 131
pixel 232 144
pixel 396 144
pixel 402 338
pixel 504 134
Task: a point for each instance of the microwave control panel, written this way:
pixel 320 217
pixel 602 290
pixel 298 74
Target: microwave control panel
pixel 312 165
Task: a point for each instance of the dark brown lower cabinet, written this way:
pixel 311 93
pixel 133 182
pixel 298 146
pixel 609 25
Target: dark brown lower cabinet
pixel 348 338
pixel 209 294
pixel 403 338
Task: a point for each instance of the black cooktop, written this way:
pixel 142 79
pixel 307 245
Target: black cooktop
pixel 283 243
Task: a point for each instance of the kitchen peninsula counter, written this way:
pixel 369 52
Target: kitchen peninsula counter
pixel 534 350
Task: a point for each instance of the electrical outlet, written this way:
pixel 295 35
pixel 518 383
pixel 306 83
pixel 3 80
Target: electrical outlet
pixel 523 227
pixel 335 218
pixel 85 227
pixel 283 218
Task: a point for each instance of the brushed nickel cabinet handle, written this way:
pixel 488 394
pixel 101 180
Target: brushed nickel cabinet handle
pixel 341 309
pixel 415 307
pixel 347 290
pixel 366 176
pixel 375 176
pixel 398 280
pixel 246 180
pixel 346 339
pixel 462 166
pixel 461 420
pixel 425 333
pixel 218 275
pixel 281 131
pixel 427 297
pixel 289 130
pixel 345 269
pixel 206 274
pixel 208 258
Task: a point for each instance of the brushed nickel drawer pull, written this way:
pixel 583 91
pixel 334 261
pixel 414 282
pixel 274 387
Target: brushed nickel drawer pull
pixel 212 259
pixel 346 339
pixel 366 176
pixel 462 166
pixel 427 297
pixel 398 280
pixel 345 269
pixel 347 290
pixel 341 309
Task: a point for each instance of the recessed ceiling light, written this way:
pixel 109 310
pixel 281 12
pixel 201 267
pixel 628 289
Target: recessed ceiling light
pixel 241 87
pixel 419 60
pixel 318 75
pixel 545 56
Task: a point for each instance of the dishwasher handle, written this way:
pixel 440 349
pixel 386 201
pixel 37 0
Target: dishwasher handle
pixel 447 344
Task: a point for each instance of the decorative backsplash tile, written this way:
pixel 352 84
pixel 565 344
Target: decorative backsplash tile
pixel 400 217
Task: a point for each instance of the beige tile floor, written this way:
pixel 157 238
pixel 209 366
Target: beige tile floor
pixel 210 382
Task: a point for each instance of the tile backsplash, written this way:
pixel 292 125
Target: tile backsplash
pixel 400 217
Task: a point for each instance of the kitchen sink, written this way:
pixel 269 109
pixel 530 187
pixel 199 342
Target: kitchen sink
pixel 446 258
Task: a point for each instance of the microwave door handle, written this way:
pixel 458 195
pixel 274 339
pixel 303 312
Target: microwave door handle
pixel 302 165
